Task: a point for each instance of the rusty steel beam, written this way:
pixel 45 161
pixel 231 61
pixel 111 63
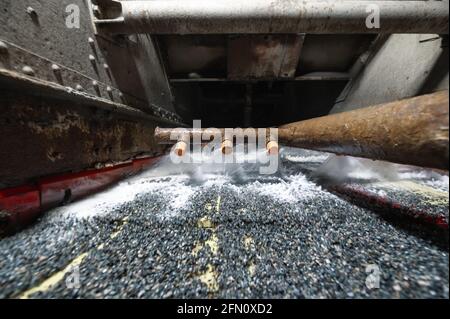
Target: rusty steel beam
pixel 269 16
pixel 412 131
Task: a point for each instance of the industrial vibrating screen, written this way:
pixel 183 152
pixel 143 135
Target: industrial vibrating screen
pixel 224 149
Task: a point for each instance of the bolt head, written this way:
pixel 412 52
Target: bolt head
pixel 3 48
pixel 31 11
pixel 28 70
pixel 96 87
pixel 55 67
pixel 96 11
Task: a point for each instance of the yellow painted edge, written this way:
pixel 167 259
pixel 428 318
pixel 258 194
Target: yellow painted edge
pixel 54 279
pixel 58 276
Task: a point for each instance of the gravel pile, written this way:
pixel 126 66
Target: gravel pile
pixel 274 237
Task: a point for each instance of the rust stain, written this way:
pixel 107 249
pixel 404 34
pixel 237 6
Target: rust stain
pixel 410 131
pixel 263 56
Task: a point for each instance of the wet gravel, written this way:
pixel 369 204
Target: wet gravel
pixel 282 237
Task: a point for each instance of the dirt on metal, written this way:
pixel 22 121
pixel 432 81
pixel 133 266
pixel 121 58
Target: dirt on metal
pixel 411 131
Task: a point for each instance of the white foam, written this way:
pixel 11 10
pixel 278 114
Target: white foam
pixel 175 184
pixel 439 183
pixel 429 178
pixel 306 159
pixel 414 175
pixel 341 168
pixel 172 189
pixel 296 188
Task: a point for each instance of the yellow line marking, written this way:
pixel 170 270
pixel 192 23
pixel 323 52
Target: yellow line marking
pixel 119 230
pixel 54 279
pixel 213 244
pixel 248 242
pixel 252 268
pixel 115 234
pixel 196 249
pixel 205 222
pixel 58 276
pixel 209 278
pixel 218 204
pixel 431 195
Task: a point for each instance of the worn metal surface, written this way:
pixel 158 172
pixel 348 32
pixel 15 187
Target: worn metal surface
pixel 332 52
pixel 20 206
pixel 272 16
pixel 403 66
pixel 412 131
pixel 48 133
pixel 263 56
pixel 20 60
pixel 152 73
pixel 313 76
pixel 16 82
pixel 194 56
pixel 204 57
pixel 96 64
pixel 46 34
pixel 359 66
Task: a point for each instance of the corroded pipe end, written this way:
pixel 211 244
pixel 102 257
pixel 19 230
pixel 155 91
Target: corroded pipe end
pixel 272 148
pixel 227 147
pixel 180 148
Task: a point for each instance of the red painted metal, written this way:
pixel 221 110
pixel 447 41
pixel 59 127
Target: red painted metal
pixel 141 163
pixel 362 197
pixel 20 206
pixel 63 188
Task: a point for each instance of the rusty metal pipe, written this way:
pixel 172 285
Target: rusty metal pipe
pixel 180 148
pixel 181 144
pixel 270 16
pixel 412 131
pixel 272 148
